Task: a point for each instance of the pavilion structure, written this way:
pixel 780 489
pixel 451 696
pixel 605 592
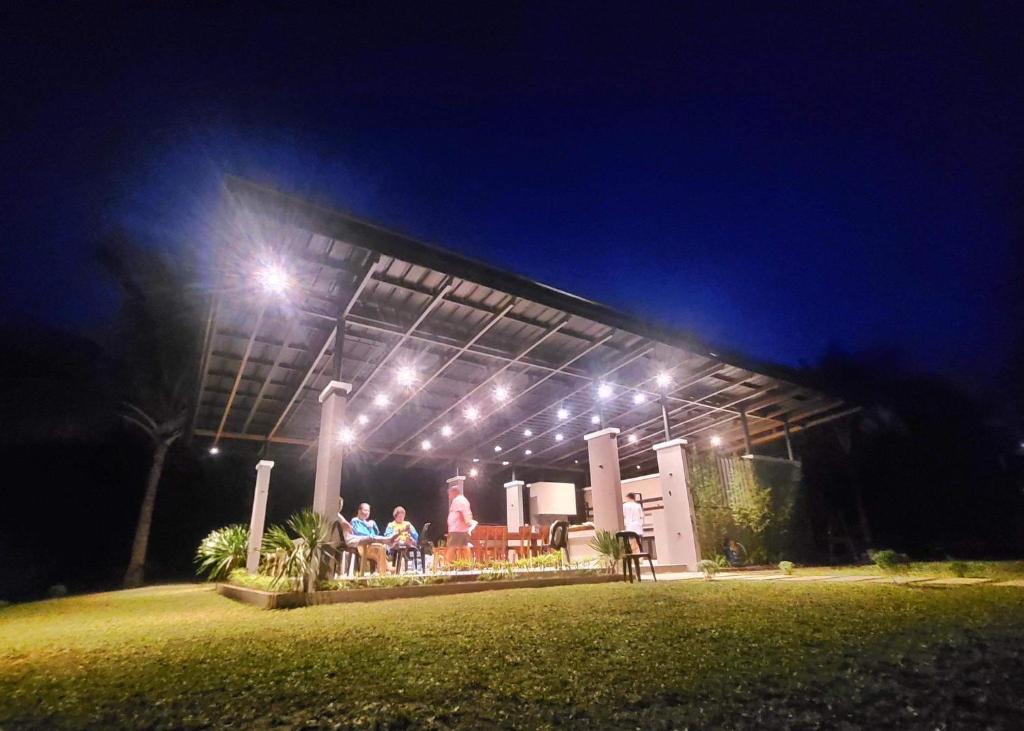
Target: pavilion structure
pixel 332 334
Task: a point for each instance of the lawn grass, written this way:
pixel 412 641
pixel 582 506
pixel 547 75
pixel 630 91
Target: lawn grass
pixel 996 570
pixel 667 655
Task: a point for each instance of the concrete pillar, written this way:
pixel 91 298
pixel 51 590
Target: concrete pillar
pixel 259 515
pixel 605 480
pixel 514 504
pixel 679 543
pixel 329 449
pixel 459 481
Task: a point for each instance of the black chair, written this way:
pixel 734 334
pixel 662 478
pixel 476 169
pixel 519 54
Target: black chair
pixel 558 539
pixel 417 552
pixel 631 558
pixel 342 555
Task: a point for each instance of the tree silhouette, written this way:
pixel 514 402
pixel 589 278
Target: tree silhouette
pixel 154 354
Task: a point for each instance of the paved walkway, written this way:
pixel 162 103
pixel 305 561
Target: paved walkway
pixel 775 576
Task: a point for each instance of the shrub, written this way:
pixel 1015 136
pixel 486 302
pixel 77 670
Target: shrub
pixel 889 561
pixel 607 547
pixel 959 568
pixel 222 551
pixel 302 560
pixel 786 567
pixel 241 577
pixel 57 591
pixel 707 567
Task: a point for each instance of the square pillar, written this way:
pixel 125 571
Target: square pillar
pixel 259 515
pixel 605 480
pixel 329 449
pixel 678 543
pixel 514 504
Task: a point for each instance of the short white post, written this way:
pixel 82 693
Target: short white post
pixel 605 479
pixel 514 505
pixel 680 544
pixel 259 515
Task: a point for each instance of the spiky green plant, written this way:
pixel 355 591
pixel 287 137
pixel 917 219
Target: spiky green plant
pixel 608 548
pixel 222 551
pixel 306 558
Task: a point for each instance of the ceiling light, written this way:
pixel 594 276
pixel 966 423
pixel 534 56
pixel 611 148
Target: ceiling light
pixel 425 445
pixel 497 447
pixel 473 472
pixel 382 400
pixel 716 441
pixel 471 413
pixel 501 393
pixel 504 463
pixel 214 450
pixel 527 432
pixel 447 431
pixel 632 438
pixel 604 391
pixel 346 436
pixel 476 459
pixel 273 279
pixel 559 437
pixel 563 414
pixel 528 452
pixel 663 379
pixel 363 419
pixel 639 398
pixel 595 419
pixel 406 376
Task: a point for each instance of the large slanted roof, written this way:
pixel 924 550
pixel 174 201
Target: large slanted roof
pixel 466 328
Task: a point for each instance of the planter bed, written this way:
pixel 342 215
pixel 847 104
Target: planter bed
pixel 458 584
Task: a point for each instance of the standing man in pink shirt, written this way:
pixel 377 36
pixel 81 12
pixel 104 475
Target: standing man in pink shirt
pixel 460 520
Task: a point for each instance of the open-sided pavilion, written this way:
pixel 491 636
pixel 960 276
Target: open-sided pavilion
pixel 332 334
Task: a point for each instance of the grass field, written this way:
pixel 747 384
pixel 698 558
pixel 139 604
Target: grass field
pixel 671 655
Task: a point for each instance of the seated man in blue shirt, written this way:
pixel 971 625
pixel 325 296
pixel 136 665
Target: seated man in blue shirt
pixel 361 523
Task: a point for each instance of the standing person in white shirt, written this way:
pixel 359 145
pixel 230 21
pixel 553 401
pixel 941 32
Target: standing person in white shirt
pixel 633 516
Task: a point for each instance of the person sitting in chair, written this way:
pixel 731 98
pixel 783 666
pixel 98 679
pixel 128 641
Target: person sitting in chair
pixel 404 532
pixel 361 523
pixel 370 548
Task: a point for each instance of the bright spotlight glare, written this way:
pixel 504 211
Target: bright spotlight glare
pixel 504 463
pixel 476 459
pixel 473 472
pixel 663 379
pixel 363 419
pixel 639 398
pixel 446 431
pixel 632 438
pixel 471 413
pixel 559 437
pixel 497 447
pixel 214 450
pixel 595 419
pixel 563 414
pixel 425 445
pixel 382 400
pixel 346 436
pixel 716 441
pixel 406 376
pixel 528 452
pixel 501 393
pixel 604 391
pixel 527 432
pixel 273 279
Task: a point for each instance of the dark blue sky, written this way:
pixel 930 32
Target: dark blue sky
pixel 774 178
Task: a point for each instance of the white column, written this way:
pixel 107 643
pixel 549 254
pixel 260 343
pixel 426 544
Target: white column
pixel 259 515
pixel 605 480
pixel 514 504
pixel 457 482
pixel 329 449
pixel 679 543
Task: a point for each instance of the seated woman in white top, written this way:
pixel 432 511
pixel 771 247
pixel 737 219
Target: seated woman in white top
pixel 633 515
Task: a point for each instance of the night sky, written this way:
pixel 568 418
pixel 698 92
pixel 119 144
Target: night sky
pixel 777 179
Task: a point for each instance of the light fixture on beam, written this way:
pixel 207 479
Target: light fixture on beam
pixel 563 414
pixel 716 441
pixel 346 436
pixel 595 419
pixel 273 279
pixel 447 431
pixel 604 391
pixel 497 447
pixel 501 394
pixel 382 400
pixel 363 419
pixel 473 472
pixel 632 439
pixel 527 432
pixel 215 450
pixel 663 379
pixel 528 452
pixel 476 459
pixel 425 445
pixel 472 413
pixel 559 437
pixel 504 463
pixel 406 376
pixel 639 398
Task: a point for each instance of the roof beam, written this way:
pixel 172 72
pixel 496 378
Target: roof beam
pixel 238 376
